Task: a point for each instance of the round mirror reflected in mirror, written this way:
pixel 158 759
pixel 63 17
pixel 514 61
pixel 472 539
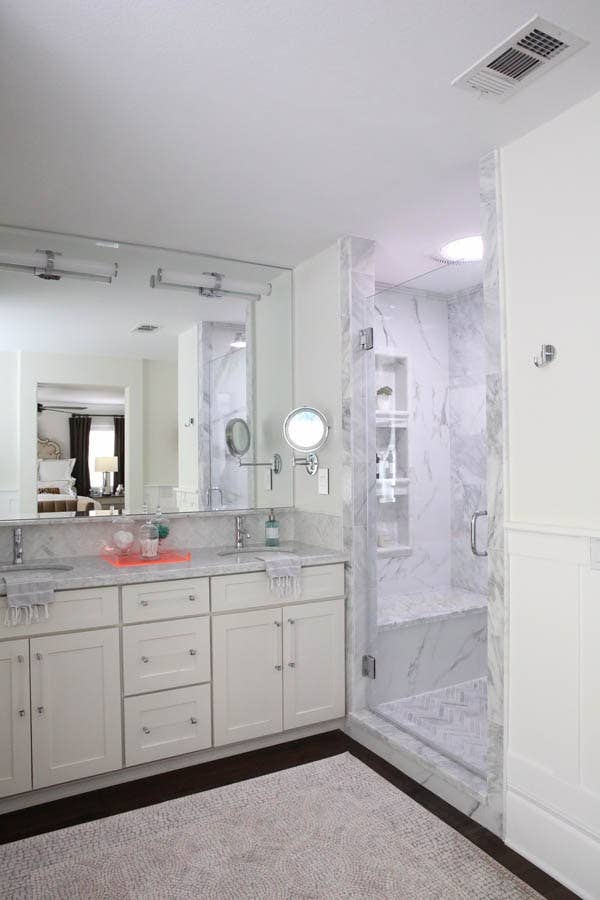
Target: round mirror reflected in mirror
pixel 237 437
pixel 306 429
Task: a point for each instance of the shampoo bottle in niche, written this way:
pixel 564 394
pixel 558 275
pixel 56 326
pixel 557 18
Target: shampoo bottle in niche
pixel 272 531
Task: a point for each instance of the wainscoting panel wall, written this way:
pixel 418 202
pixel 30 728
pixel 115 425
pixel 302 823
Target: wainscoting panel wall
pixel 553 764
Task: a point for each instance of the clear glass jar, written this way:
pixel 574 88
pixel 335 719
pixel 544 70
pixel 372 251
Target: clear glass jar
pixel 162 523
pixel 123 540
pixel 149 540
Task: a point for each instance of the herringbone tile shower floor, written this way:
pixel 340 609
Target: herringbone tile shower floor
pixel 452 720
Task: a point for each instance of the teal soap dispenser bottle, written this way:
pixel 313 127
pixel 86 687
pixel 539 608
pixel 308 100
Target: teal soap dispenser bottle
pixel 272 531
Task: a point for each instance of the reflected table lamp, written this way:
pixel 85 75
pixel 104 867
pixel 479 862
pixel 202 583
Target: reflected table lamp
pixel 107 465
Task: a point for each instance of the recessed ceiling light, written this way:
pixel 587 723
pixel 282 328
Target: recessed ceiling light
pixel 467 249
pixel 239 341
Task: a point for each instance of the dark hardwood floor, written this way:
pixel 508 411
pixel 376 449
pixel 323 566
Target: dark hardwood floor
pixel 146 791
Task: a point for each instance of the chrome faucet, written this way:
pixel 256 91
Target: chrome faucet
pixel 240 533
pixel 18 546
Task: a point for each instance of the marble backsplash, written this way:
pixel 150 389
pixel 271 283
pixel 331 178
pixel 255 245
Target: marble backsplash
pixel 57 539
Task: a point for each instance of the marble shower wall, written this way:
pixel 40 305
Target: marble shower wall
pixel 414 323
pixel 224 396
pixel 468 442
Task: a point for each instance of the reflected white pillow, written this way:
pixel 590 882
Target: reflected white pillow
pixel 65 487
pixel 55 469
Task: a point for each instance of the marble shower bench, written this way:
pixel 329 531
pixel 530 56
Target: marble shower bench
pixel 429 640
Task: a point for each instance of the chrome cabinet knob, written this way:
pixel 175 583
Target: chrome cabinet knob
pixel 193 652
pixel 278 668
pixel 145 729
pixel 40 710
pixel 145 659
pixel 292 621
pixel 192 597
pixel 38 656
pixel 143 603
pixel 193 720
pixel 20 658
pixel 292 665
pixel 21 712
pixel 277 624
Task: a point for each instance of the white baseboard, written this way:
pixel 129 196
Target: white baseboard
pixel 131 773
pixel 555 846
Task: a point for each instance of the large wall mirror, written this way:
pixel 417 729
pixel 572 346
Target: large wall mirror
pixel 121 367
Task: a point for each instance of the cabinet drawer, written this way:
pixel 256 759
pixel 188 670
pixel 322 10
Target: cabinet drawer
pixel 165 599
pixel 167 724
pixel 166 654
pixel 71 611
pixel 229 592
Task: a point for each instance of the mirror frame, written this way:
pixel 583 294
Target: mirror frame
pixel 313 448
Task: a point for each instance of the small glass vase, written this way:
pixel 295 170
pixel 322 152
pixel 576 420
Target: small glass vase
pixel 149 540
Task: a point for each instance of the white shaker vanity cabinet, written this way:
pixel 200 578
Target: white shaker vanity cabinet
pixel 120 676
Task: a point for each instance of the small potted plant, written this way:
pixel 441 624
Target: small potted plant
pixel 384 397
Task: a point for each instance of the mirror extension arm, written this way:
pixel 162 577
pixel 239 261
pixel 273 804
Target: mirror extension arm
pixel 275 466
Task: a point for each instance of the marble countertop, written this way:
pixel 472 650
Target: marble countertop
pixel 94 571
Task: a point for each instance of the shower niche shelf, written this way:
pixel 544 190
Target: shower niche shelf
pixel 391 444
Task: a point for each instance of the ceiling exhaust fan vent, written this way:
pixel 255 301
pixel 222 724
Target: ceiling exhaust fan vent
pixel 145 328
pixel 532 50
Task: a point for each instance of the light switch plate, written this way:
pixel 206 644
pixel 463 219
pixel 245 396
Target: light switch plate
pixel 268 479
pixel 323 477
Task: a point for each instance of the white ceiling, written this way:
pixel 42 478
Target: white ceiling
pixel 260 129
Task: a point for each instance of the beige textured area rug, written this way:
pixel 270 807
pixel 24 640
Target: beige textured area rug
pixel 330 829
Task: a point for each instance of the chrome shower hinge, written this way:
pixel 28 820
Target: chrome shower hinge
pixel 368 666
pixel 546 356
pixel 366 339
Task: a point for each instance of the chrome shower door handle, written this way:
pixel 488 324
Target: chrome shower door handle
pixel 474 518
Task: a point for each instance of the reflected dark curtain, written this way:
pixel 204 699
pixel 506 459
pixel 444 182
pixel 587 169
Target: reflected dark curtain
pixel 79 434
pixel 119 477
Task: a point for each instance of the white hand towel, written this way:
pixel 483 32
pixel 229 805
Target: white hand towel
pixel 283 572
pixel 28 595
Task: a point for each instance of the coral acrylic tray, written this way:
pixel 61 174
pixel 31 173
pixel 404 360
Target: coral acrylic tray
pixel 134 559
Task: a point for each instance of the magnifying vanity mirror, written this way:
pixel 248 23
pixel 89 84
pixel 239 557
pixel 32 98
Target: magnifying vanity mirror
pixel 306 430
pixel 137 376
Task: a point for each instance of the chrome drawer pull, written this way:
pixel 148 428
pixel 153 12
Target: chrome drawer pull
pixel 145 729
pixel 143 602
pixel 21 712
pixel 193 652
pixel 278 668
pixel 277 624
pixel 292 665
pixel 20 658
pixel 192 597
pixel 40 710
pixel 38 656
pixel 292 621
pixel 145 659
pixel 194 721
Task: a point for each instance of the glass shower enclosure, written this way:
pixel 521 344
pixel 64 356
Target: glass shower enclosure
pixel 429 419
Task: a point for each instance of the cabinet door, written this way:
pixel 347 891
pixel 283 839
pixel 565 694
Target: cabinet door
pixel 15 719
pixel 75 705
pixel 313 654
pixel 247 682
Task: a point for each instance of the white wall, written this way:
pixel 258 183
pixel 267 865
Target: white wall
pixel 66 368
pixel 551 202
pixel 318 370
pixel 160 422
pixel 273 394
pixel 9 444
pixel 550 192
pixel 188 359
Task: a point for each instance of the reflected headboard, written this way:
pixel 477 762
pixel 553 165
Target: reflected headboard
pixel 47 449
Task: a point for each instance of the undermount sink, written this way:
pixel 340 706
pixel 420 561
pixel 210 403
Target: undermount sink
pixel 36 567
pixel 254 550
